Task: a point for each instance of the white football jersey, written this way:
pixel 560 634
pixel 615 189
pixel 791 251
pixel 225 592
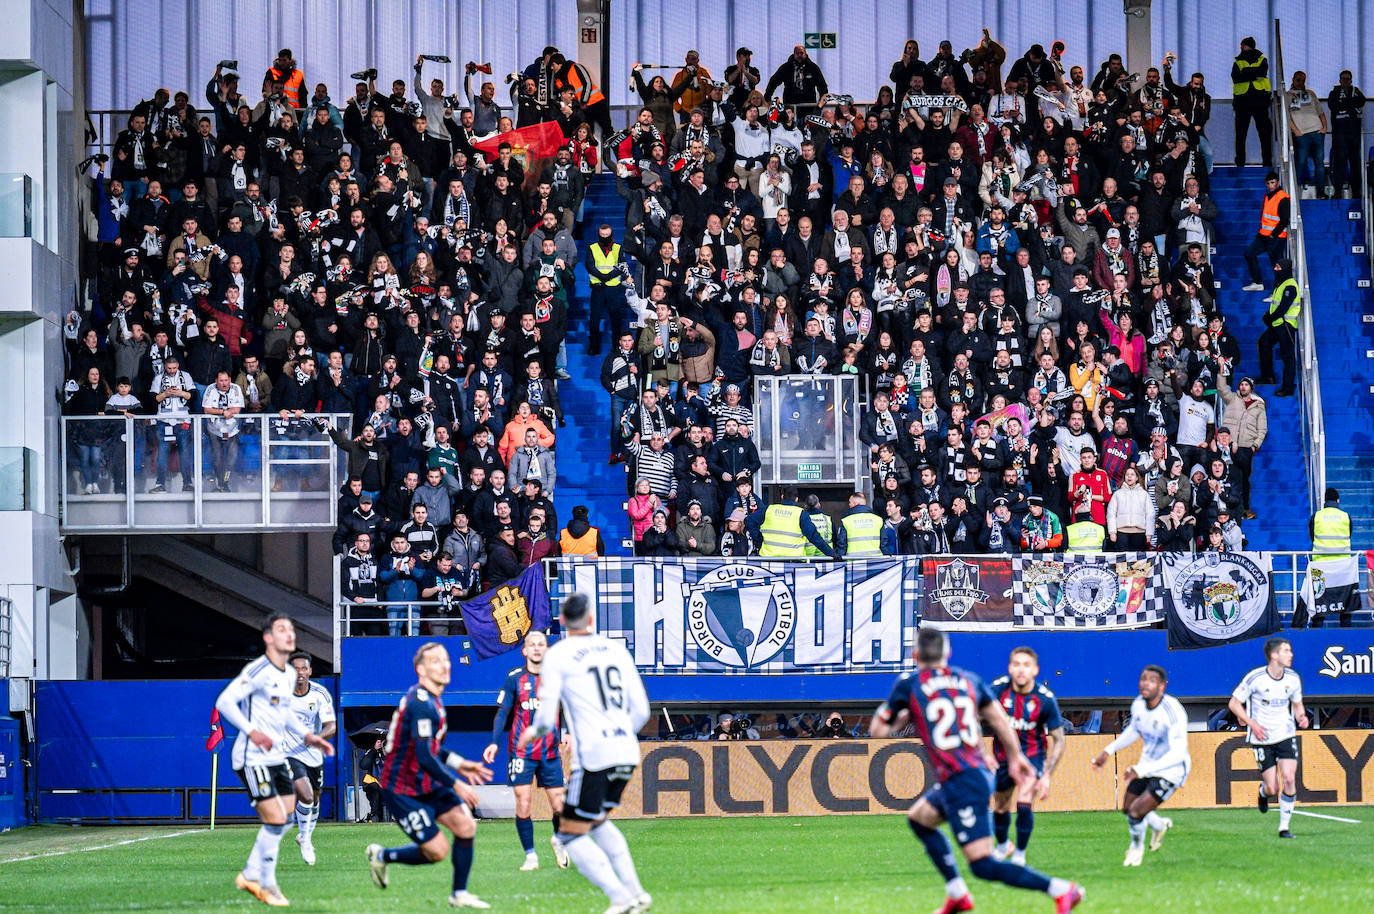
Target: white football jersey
pixel 1164 731
pixel 259 698
pixel 314 709
pixel 1270 702
pixel 594 680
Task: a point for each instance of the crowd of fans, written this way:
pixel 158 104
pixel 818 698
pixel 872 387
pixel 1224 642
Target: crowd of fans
pixel 1016 267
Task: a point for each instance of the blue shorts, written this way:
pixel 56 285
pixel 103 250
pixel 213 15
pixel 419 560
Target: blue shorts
pixel 963 802
pixel 419 816
pixel 1004 780
pixel 544 772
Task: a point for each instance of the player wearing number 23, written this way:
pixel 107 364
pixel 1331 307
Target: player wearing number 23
pixel 944 703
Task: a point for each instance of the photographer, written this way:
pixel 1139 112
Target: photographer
pixel 834 728
pixel 730 727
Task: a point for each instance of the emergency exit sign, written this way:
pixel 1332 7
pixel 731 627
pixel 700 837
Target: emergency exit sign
pixel 808 472
pixel 821 40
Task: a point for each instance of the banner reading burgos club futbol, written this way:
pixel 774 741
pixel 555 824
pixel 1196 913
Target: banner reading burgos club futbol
pixel 822 777
pixel 716 616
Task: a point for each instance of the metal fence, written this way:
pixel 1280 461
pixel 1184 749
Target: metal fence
pixel 413 618
pixel 1309 387
pixel 151 474
pixel 6 611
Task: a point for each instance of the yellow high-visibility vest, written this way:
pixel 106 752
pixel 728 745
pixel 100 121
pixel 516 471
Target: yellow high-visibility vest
pixel 1290 317
pixel 864 535
pixel 1086 536
pixel 1331 533
pixel 782 535
pixel 605 261
pixel 825 529
pixel 1260 83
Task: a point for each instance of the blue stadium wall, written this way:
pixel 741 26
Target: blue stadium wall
pixel 135 751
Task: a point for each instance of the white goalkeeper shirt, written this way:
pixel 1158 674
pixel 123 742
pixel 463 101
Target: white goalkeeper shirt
pixel 594 681
pixel 1164 731
pixel 1270 702
pixel 259 698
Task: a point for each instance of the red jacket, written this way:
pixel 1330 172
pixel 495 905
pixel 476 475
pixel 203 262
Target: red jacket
pixel 232 328
pixel 1100 491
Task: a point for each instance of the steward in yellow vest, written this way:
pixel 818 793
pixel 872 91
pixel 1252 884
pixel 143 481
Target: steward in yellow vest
pixel 861 531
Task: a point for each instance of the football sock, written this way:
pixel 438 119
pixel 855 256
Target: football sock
pixel 617 850
pixel 938 849
pixel 1021 877
pixel 557 821
pixel 595 866
pixel 1001 826
pixel 1137 828
pixel 1058 886
pixel 305 818
pixel 1025 823
pixel 407 855
pixel 1154 820
pixel 252 870
pixel 267 845
pixel 1286 803
pixel 525 829
pixel 462 862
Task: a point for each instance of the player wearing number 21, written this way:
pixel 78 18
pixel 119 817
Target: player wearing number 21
pixel 944 704
pixel 594 681
pixel 424 787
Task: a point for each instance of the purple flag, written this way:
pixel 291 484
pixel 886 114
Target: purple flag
pixel 499 619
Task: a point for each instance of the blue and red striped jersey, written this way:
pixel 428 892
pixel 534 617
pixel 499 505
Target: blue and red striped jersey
pixel 516 705
pixel 944 703
pixel 1032 715
pixel 414 741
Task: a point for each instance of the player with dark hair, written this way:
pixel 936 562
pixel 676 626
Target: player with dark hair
pixel 1268 703
pixel 594 681
pixel 314 707
pixel 1034 714
pixel 1161 723
pixel 423 790
pixel 945 703
pixel 258 704
pixel 540 762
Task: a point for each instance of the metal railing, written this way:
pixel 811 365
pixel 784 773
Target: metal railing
pixel 413 618
pixel 150 474
pixel 6 624
pixel 1309 386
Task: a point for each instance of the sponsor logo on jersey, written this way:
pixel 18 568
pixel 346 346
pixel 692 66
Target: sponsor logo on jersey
pixel 742 615
pixel 956 588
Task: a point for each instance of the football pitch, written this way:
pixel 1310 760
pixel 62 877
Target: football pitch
pixel 1217 861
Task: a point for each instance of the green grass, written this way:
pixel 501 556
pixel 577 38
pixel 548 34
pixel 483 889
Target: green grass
pixel 1215 861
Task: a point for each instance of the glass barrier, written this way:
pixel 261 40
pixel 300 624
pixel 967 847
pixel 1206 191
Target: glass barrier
pixel 17 479
pixel 16 206
pixel 806 429
pixel 252 471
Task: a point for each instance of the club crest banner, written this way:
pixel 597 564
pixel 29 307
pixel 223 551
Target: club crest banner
pixel 1218 597
pixel 1086 591
pixel 968 594
pixel 718 616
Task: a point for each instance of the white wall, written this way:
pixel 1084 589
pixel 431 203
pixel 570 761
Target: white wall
pixel 138 45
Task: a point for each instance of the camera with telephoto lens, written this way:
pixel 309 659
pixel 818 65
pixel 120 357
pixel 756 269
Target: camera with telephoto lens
pixel 834 726
pixel 740 725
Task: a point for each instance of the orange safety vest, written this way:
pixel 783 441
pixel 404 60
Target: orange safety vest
pixel 578 545
pixel 293 86
pixel 585 89
pixel 1269 218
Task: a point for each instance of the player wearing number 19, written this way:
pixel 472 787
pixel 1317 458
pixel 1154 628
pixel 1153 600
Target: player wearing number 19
pixel 594 680
pixel 423 791
pixel 945 703
pixel 516 705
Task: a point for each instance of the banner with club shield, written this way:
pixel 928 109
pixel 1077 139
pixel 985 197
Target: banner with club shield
pixel 1218 597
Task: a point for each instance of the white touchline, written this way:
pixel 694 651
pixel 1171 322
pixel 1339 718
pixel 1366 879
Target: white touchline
pixel 101 847
pixel 1317 815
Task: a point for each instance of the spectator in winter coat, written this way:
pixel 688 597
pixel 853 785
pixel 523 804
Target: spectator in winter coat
pixel 641 507
pixel 534 544
pixel 503 563
pixel 399 574
pixel 658 540
pixel 695 534
pixel 362 520
pixel 514 435
pixel 435 496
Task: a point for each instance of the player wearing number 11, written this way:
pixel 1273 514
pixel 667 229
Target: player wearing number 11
pixel 594 680
pixel 944 703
